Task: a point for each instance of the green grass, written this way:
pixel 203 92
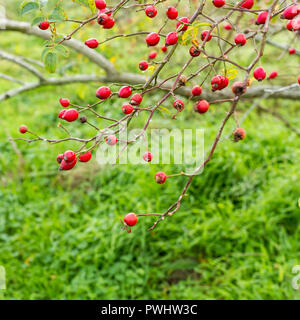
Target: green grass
pixel 236 235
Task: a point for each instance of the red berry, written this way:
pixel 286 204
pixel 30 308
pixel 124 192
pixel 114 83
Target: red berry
pixel 85 157
pixel 228 26
pixel 103 93
pixel 69 156
pixel 44 25
pixel 292 51
pixel 152 39
pixel 205 36
pixel 61 114
pixel 143 65
pixel 273 75
pixel 196 91
pixel 224 82
pixel 248 4
pixel 262 18
pixel 102 18
pixel 289 25
pixel 219 82
pixel 290 12
pixel 131 219
pixel 178 105
pixel 147 156
pixel 259 74
pixel 23 129
pixel 164 48
pixel 64 165
pixel 201 106
pixel 111 140
pixel 70 115
pixel 239 134
pixel 296 24
pixel 152 55
pixel 240 39
pixel 160 177
pixel 218 3
pixel 60 158
pixel 100 4
pixel 194 52
pixel 64 102
pixel 109 23
pixel 299 79
pixel 136 99
pixel 107 11
pixel 125 92
pixel 172 13
pixel 151 11
pixel 184 26
pixel 127 108
pixel 92 43
pixel 171 38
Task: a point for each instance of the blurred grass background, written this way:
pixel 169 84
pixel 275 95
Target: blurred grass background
pixel 236 236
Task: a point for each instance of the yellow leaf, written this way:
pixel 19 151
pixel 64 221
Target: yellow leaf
pixel 232 73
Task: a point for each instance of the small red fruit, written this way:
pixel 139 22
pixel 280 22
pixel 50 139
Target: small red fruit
pixel 194 52
pixel 23 129
pixel 127 108
pixel 125 92
pixel 60 158
pixel 160 177
pixel 239 134
pixel 262 18
pixel 164 48
pixel 172 13
pixel 240 39
pixel 152 39
pixel 178 105
pixel 103 93
pixel 64 102
pixel 111 140
pixel 239 88
pixel 61 114
pixel 92 43
pixel 85 157
pixel 248 4
pixel 299 79
pixel 110 22
pixel 70 115
pixel 130 219
pixel 44 25
pixel 152 55
pixel 182 22
pixel 102 18
pixel 289 25
pixel 136 99
pixel 196 91
pixel 147 156
pixel 151 11
pixel 205 36
pixel 171 38
pixel 290 12
pixel 100 4
pixel 201 106
pixel 259 73
pixel 64 165
pixel 273 75
pixel 228 26
pixel 292 51
pixel 143 65
pixel 218 3
pixel 219 82
pixel 69 156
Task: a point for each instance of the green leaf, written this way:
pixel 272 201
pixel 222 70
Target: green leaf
pixel 50 61
pixel 62 50
pixel 57 15
pixel 92 5
pixel 37 20
pixel 27 7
